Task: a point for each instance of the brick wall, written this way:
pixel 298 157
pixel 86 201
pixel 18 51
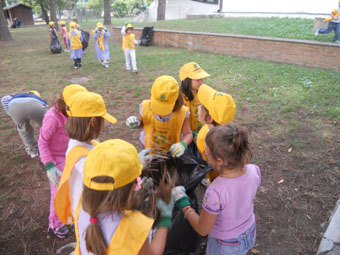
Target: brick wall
pixel 296 52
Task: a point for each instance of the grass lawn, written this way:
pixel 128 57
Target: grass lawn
pixel 293 28
pixel 292 112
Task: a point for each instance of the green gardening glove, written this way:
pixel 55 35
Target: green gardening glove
pixel 165 212
pixel 180 197
pixel 52 173
pixel 178 149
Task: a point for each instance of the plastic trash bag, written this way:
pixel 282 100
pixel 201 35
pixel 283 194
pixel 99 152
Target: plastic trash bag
pixel 86 38
pixel 55 46
pixel 146 37
pixel 182 239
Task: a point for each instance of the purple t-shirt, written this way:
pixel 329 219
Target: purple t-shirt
pixel 232 200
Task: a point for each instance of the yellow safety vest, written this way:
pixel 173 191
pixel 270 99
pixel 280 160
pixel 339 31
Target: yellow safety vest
pixel 128 42
pixel 195 124
pixel 129 236
pixel 161 135
pixel 75 41
pixel 101 40
pixel 200 143
pixel 62 202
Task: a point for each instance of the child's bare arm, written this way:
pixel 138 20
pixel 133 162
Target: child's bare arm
pixel 203 223
pixel 187 133
pixel 157 245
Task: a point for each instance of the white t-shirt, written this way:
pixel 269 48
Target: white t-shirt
pixel 76 178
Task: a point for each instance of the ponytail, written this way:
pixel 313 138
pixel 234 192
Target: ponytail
pixel 229 143
pixel 186 89
pixel 94 239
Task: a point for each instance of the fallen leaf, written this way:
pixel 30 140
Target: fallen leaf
pixel 254 251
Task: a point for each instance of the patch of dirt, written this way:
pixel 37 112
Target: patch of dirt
pixel 289 213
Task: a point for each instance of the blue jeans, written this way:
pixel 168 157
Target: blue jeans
pixel 332 26
pixel 235 246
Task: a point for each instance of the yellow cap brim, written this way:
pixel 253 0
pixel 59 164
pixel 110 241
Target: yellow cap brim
pixel 204 94
pixel 200 75
pixel 110 118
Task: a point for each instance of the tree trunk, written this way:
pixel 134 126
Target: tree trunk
pixel 220 8
pixel 161 10
pixel 53 13
pixel 5 35
pixel 107 12
pixel 44 12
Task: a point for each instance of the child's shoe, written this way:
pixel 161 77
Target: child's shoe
pixel 66 50
pixel 76 67
pixel 135 71
pixel 106 66
pixel 60 232
pixel 317 32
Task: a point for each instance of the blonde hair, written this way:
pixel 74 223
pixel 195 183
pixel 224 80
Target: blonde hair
pixel 95 202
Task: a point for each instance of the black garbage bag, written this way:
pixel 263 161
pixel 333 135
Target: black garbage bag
pixel 55 46
pixel 146 37
pixel 86 38
pixel 182 239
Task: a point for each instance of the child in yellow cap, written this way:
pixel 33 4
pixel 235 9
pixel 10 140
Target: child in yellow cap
pixel 53 141
pixel 74 41
pixel 55 46
pixel 86 113
pixel 105 222
pixel 63 33
pixel 216 109
pixel 101 36
pixel 128 46
pixel 191 76
pixel 164 119
pixel 24 108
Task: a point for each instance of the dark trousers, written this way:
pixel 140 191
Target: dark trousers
pixel 77 62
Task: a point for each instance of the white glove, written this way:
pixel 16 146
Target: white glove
pixel 105 29
pixel 132 122
pixel 144 157
pixel 138 41
pixel 178 149
pixel 52 171
pixel 178 192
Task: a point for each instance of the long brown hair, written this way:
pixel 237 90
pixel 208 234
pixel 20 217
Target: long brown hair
pixel 179 102
pixel 229 143
pixel 82 129
pixel 61 105
pixel 186 88
pixel 95 202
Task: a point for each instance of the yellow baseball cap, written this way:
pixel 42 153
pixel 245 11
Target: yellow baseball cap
pixel 193 71
pixel 72 25
pixel 113 158
pixel 129 26
pixel 51 23
pixel 99 24
pixel 221 106
pixel 34 92
pixel 164 93
pixel 88 104
pixel 62 23
pixel 72 89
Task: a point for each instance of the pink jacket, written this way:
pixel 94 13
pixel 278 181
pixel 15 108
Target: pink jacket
pixel 53 139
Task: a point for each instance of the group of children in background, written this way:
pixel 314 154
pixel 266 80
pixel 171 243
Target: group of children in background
pixel 93 185
pixel 73 41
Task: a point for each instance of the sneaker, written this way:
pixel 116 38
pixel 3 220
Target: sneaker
pixel 106 66
pixel 60 232
pixel 135 71
pixel 66 50
pixel 205 182
pixel 317 32
pixel 79 65
pixel 337 41
pixel 76 67
pixel 34 155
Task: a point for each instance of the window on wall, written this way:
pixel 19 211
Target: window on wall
pixel 207 1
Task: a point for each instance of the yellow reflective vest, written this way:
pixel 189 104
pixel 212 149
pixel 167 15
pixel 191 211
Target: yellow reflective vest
pixel 75 41
pixel 161 135
pixel 62 202
pixel 128 41
pixel 193 108
pixel 129 236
